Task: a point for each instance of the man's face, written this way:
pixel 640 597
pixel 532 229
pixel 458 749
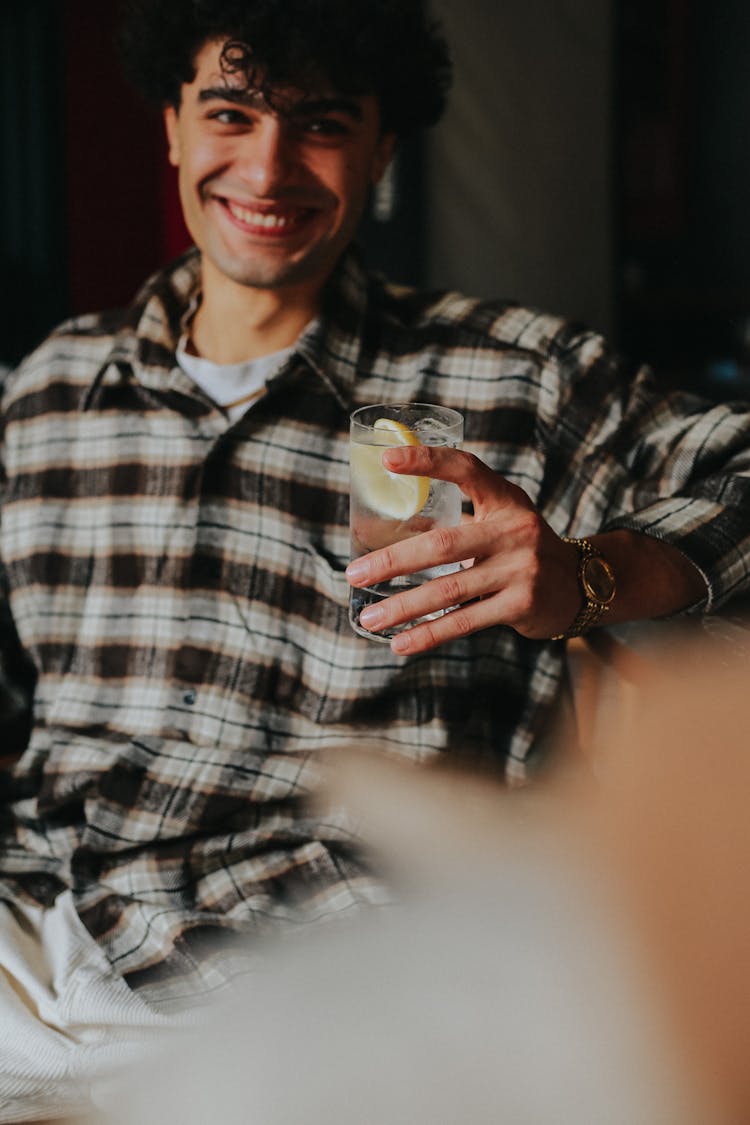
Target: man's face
pixel 272 200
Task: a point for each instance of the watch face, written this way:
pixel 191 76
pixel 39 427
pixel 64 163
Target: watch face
pixel 599 580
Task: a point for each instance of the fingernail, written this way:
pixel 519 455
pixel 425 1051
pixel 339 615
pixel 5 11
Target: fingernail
pixel 357 571
pixel 400 643
pixel 371 617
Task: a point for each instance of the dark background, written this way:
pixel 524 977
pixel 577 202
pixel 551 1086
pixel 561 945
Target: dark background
pixel 88 204
pixel 683 189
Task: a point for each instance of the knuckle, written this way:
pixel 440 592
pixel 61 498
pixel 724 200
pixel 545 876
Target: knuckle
pixel 474 466
pixel 534 573
pixel 396 607
pixel 452 588
pixel 415 458
pixel 530 529
pixel 462 623
pixel 386 559
pixel 524 602
pixel 428 637
pixel 444 540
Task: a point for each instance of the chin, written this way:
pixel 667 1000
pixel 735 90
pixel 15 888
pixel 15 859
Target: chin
pixel 276 275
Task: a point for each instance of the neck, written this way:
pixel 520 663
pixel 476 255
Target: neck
pixel 235 322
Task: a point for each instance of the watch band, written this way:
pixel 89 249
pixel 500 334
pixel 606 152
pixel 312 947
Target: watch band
pixel 592 609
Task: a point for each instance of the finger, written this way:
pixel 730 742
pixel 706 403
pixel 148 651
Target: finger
pixel 475 479
pixel 438 594
pixel 460 622
pixel 439 547
pixel 420 552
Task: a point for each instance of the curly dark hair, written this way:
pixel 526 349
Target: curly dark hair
pixel 389 48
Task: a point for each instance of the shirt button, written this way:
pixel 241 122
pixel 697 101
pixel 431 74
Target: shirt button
pixel 189 698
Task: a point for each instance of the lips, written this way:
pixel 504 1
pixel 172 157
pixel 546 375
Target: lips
pixel 267 221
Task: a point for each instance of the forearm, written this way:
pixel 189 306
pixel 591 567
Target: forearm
pixel 654 579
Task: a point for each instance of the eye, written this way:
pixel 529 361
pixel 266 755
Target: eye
pixel 228 116
pixel 325 127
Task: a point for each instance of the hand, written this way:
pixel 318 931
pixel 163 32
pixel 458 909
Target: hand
pixel 520 572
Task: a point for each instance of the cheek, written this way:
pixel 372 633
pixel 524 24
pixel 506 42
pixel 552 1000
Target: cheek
pixel 206 160
pixel 186 184
pixel 350 183
pixel 338 173
pixel 190 201
pixel 358 185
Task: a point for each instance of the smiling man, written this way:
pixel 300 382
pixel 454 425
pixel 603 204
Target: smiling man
pixel 273 187
pixel 174 534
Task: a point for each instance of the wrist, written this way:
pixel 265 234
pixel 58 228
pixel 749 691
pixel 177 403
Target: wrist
pixel 597 587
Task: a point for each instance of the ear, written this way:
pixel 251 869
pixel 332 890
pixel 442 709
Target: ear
pixel 171 125
pixel 382 156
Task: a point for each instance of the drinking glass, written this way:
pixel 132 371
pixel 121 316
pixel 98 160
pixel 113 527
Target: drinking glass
pixel 387 507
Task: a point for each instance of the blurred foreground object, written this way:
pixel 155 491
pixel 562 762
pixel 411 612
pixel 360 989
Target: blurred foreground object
pixel 533 974
pixel 675 786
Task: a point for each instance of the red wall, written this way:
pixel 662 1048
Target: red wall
pixel 123 213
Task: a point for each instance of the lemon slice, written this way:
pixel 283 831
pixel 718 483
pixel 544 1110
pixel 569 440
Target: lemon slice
pixel 389 494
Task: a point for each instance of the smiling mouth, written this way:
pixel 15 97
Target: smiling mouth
pixel 277 221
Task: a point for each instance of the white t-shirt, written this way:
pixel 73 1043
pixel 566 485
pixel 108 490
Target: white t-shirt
pixel 235 387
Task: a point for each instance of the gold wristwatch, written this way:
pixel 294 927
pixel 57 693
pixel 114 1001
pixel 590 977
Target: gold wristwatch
pixel 597 581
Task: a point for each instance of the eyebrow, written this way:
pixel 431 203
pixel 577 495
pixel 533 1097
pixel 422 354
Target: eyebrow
pixel 304 107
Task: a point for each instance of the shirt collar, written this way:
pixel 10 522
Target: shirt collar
pixel 333 350
pixel 144 347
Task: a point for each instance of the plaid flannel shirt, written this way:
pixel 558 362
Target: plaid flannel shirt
pixel 178 583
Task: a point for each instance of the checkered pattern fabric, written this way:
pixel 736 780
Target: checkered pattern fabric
pixel 177 583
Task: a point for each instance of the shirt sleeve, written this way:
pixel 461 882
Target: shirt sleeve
pixel 673 466
pixel 17 674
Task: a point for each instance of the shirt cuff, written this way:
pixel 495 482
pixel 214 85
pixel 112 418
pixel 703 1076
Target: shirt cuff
pixel 712 537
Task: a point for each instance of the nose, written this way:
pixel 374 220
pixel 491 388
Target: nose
pixel 267 159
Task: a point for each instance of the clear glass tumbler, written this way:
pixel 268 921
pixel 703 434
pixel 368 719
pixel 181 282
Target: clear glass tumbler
pixel 387 507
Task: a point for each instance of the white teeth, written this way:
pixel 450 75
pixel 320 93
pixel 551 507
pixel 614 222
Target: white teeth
pixel 258 218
